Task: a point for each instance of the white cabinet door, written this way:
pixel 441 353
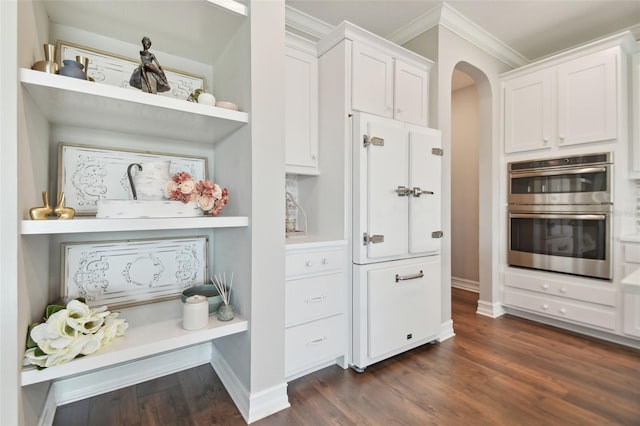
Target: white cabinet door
pixel 372 81
pixel 403 305
pixel 396 191
pixel 587 99
pixel 425 165
pixel 527 112
pixel 301 112
pixel 387 174
pixel 410 93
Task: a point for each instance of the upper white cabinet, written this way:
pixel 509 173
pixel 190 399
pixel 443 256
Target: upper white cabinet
pixel 587 98
pixel 527 112
pixel 574 98
pixel 301 106
pixel 382 78
pixel 635 113
pixel 387 86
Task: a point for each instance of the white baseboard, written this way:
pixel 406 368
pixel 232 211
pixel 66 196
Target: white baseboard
pixel 488 309
pixel 131 373
pixel 254 406
pixel 465 284
pixel 446 331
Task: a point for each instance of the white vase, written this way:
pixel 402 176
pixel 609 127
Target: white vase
pixel 207 99
pixel 151 181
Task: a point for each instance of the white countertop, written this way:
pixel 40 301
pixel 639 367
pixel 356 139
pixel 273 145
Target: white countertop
pixel 631 283
pixel 310 241
pixel 630 238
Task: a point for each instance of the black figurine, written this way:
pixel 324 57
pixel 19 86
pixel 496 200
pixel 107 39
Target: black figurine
pixel 149 76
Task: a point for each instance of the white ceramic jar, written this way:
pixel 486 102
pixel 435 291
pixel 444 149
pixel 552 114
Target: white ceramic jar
pixel 206 98
pixel 195 312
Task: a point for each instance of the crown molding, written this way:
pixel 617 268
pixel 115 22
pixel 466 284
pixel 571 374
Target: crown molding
pixel 306 24
pixel 413 29
pixel 459 24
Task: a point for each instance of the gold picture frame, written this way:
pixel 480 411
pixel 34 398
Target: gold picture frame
pixel 115 70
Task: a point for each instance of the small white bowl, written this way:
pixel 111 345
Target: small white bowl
pixel 227 105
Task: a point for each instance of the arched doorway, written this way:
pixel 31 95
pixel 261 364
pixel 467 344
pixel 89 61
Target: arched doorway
pixel 473 203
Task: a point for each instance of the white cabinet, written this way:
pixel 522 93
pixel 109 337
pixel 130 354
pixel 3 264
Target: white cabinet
pixel 569 102
pixel 388 86
pixel 315 306
pixel 396 307
pixel 397 188
pixel 590 303
pixel 631 290
pixel 527 112
pixel 301 106
pixel 587 99
pixel 635 114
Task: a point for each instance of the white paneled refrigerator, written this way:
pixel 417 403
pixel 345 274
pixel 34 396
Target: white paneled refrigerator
pixel 396 238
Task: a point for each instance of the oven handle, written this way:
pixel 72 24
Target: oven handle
pixel 558 216
pixel 556 172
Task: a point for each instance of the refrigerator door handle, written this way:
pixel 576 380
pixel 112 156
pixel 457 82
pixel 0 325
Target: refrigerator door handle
pixel 409 277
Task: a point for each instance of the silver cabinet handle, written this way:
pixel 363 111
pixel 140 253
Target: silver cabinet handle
pixel 417 191
pixel 409 277
pixel 315 299
pixel 317 341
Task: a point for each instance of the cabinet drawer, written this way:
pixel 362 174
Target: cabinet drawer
pixel 313 343
pixel 601 293
pixel 316 297
pixel 591 315
pixel 314 262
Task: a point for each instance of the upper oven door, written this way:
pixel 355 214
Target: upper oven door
pixel 570 185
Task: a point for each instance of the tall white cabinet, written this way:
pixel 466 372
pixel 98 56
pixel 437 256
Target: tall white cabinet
pixel 48 109
pixel 373 98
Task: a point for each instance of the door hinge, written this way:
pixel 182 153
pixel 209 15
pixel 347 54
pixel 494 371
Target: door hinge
pixel 437 151
pixel 373 239
pixel 437 234
pixel 366 141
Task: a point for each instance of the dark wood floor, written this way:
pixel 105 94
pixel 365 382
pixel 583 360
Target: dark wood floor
pixel 506 371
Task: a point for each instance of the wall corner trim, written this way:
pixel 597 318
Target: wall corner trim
pixel 306 24
pixel 252 406
pixel 489 309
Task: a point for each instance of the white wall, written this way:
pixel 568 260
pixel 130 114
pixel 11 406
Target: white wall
pixel 485 69
pixel 464 184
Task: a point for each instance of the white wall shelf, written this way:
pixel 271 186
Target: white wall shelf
pixel 153 328
pixel 70 101
pixel 91 224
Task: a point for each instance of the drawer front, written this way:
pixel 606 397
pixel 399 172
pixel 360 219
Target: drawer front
pixel 314 262
pixel 591 315
pixel 601 293
pixel 632 253
pixel 315 297
pixel 313 343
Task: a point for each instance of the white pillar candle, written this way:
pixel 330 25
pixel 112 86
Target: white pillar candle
pixel 195 312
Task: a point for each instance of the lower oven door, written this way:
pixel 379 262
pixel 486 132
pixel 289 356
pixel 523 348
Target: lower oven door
pixel 573 243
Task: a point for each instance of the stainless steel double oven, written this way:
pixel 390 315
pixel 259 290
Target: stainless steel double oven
pixel 560 213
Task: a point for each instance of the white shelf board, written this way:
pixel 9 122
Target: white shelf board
pixel 195 29
pixel 76 102
pixel 153 328
pixel 91 224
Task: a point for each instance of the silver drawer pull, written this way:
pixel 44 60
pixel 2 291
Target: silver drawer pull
pixel 315 299
pixel 324 261
pixel 409 277
pixel 316 341
pixel 403 191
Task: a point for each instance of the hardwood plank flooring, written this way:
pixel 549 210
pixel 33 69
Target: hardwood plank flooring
pixel 505 371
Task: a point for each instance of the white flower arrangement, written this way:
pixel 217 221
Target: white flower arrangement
pixel 69 332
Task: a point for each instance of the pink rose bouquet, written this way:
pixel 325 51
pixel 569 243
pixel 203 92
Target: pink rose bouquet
pixel 211 198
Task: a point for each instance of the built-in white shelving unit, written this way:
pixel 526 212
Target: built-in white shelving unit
pixel 75 102
pixel 146 323
pixel 89 224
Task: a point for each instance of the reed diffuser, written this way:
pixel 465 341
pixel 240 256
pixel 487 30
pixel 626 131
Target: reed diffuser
pixel 225 311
